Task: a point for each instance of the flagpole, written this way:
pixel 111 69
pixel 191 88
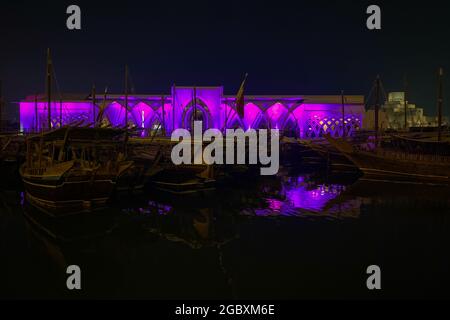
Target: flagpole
pixel 240 98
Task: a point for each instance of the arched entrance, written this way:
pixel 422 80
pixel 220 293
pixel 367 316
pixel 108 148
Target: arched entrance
pixel 196 112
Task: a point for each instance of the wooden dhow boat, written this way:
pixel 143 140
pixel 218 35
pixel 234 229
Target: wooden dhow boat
pixel 402 158
pixel 418 165
pixel 74 169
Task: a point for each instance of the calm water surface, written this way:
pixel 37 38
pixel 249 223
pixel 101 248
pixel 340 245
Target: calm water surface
pixel 298 235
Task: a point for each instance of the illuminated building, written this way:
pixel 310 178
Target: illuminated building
pixel 303 116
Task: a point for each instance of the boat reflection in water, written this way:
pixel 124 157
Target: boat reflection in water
pixel 296 235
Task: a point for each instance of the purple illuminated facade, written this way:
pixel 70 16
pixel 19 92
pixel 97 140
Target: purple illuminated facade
pixel 300 116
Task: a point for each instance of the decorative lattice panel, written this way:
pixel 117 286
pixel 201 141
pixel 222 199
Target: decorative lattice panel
pixel 316 126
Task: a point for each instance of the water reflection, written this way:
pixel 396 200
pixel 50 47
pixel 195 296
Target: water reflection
pixel 301 196
pixel 195 227
pixel 292 236
pixel 304 195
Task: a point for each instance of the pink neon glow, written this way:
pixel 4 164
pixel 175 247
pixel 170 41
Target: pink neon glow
pixel 218 111
pixel 275 112
pixel 71 112
pixel 115 113
pixel 143 110
pixel 251 113
pixel 297 197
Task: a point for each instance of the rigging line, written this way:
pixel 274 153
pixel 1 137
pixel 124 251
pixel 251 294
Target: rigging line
pixel 58 90
pixel 369 97
pixel 383 92
pixel 130 80
pixel 56 81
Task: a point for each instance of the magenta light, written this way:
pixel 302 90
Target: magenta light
pixel 217 110
pixel 251 114
pixel 115 113
pixel 32 114
pixel 143 109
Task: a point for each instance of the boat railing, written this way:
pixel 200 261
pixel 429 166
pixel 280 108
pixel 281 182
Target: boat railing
pixel 36 171
pixel 407 156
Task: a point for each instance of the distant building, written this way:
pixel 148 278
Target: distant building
pixel 394 110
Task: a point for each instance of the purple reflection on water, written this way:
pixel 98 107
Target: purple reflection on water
pixel 315 199
pixel 297 195
pixel 155 208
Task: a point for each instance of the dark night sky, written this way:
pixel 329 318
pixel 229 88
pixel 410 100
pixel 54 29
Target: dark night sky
pixel 295 47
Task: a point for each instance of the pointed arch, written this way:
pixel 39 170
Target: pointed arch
pixel 232 118
pixel 202 114
pixel 115 113
pixel 142 115
pixel 276 115
pixel 291 126
pixel 252 115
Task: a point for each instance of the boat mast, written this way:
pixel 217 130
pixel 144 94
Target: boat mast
pixel 377 106
pixel 405 84
pixel 343 112
pixel 440 102
pixel 93 105
pixel 60 111
pixel 174 92
pixel 1 106
pixel 163 116
pixel 36 114
pixel 126 97
pixel 98 121
pixel 193 110
pixel 49 89
pixel 194 118
pixel 126 112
